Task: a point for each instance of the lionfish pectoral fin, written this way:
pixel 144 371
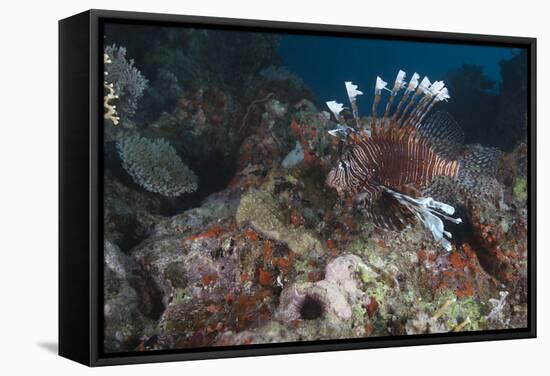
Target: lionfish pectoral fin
pixel 430 213
pixel 384 210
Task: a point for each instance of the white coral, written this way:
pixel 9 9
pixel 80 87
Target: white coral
pixel 110 109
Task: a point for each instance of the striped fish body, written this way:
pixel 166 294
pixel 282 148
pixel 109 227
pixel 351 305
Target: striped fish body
pixel 397 162
pixel 396 158
pixel 406 162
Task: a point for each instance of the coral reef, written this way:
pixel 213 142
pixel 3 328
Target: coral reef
pixel 156 166
pixel 110 111
pixel 242 268
pixel 127 81
pixel 262 250
pixel 256 266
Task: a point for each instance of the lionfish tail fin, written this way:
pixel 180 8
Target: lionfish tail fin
pixel 478 169
pixel 415 103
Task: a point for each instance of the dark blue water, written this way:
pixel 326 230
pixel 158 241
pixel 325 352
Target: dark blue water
pixel 324 63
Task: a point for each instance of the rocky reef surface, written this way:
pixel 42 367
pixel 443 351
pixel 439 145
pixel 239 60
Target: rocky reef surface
pixel 263 251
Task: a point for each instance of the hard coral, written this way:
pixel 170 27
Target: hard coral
pixel 126 80
pixel 156 166
pixel 110 109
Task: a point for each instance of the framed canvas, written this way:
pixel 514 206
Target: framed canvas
pixel 238 187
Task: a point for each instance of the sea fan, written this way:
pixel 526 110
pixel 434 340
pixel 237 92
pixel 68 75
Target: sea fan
pixel 156 166
pixel 128 82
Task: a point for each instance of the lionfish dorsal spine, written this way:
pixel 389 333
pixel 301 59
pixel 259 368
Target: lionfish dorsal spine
pixel 439 95
pixel 436 92
pixel 336 108
pixel 420 91
pixel 415 103
pixel 352 95
pixel 407 99
pixel 378 87
pixel 398 85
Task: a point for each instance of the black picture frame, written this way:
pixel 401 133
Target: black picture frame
pixel 80 188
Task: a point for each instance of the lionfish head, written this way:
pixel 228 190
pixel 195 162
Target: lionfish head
pixel 340 177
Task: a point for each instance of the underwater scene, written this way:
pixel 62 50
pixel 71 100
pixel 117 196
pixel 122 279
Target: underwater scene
pixel 266 187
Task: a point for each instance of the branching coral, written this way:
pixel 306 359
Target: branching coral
pixel 156 166
pixel 110 109
pixel 126 81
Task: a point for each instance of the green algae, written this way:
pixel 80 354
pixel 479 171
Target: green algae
pixel 302 268
pixel 520 188
pixel 359 313
pixel 365 274
pixel 457 311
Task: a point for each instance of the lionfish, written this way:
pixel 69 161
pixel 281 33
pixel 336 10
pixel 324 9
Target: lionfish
pixel 387 163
